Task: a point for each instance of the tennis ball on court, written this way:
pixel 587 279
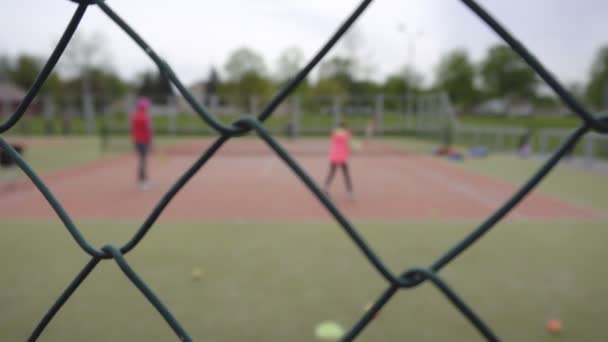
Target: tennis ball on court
pixel 554 326
pixel 197 273
pixel 329 330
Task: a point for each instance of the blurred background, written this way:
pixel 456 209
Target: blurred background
pixel 451 121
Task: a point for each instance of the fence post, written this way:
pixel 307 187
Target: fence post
pixel 589 149
pixel 379 113
pixel 129 107
pixel 294 117
pixel 103 128
pixel 407 113
pixel 48 109
pixel 129 103
pixel 214 103
pixel 89 112
pixel 420 113
pixel 66 120
pixel 172 113
pixel 412 113
pixel 500 139
pixel 543 142
pixel 253 105
pixel 6 110
pixel 337 110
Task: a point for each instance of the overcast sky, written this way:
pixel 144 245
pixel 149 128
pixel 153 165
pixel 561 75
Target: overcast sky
pixel 192 35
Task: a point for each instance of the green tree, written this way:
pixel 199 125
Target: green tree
pixel 5 67
pixel 213 82
pixel 247 76
pixel 505 74
pixel 24 71
pixel 243 61
pixel 81 56
pixel 155 86
pixel 597 89
pixel 289 63
pixel 107 82
pixel 252 83
pixel 338 70
pixel 407 80
pixel 366 87
pixel 456 76
pixel 54 86
pixel 328 87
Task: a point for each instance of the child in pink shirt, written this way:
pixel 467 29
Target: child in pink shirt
pixel 338 157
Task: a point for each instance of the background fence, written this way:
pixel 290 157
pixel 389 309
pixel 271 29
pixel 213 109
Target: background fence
pixel 426 116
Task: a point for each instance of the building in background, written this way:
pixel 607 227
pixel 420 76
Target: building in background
pixel 10 97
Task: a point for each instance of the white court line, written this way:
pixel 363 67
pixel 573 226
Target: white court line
pixel 486 200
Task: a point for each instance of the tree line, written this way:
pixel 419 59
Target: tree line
pixel 501 74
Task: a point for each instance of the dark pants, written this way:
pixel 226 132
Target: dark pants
pixel 332 172
pixel 142 154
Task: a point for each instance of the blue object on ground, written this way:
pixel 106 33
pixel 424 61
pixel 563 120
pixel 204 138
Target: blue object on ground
pixel 478 152
pixel 456 157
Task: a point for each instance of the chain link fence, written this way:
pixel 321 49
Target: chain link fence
pixel 409 279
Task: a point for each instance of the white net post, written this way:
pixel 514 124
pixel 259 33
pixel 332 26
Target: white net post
pixel 379 113
pixel 48 111
pixel 253 105
pixel 172 115
pixel 500 139
pixel 337 110
pixel 129 106
pixel 589 148
pixel 6 109
pixel 89 112
pixel 294 117
pixel 543 142
pixel 214 103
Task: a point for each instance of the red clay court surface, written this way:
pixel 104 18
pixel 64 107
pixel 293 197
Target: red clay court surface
pixel 246 181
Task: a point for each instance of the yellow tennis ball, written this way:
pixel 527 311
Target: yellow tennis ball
pixel 197 273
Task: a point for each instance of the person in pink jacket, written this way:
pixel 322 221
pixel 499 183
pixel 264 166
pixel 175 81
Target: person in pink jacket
pixel 339 154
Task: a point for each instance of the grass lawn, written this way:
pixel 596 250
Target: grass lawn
pixel 534 122
pixel 568 183
pixel 276 282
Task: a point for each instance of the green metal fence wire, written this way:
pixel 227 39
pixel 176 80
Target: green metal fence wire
pixel 409 279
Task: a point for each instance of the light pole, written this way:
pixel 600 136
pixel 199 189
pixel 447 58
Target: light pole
pixel 411 38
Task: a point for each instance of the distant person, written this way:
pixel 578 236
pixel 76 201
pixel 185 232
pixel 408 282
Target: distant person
pixel 338 157
pixel 141 134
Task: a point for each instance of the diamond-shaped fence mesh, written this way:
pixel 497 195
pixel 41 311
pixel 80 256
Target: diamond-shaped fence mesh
pixel 408 279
